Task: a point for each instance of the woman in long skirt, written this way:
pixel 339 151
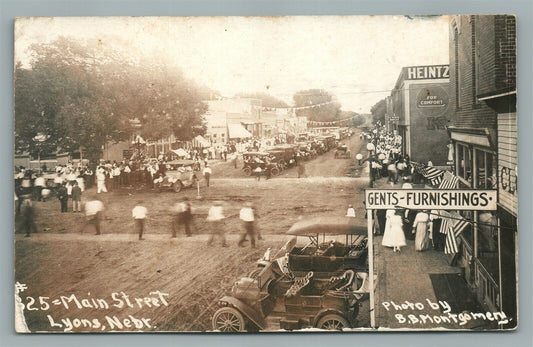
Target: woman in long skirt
pixel 394 236
pixel 420 228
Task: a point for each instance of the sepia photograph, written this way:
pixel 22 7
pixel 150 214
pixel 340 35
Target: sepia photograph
pixel 265 174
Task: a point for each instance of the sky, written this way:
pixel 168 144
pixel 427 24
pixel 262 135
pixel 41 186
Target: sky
pixel 356 58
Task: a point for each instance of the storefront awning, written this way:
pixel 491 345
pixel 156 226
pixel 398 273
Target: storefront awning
pixel 179 152
pixel 237 131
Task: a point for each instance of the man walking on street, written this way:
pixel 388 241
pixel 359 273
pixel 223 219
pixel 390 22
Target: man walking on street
pixel 139 215
pixel 247 216
pixel 93 214
pixel 183 216
pixel 207 173
pixel 216 217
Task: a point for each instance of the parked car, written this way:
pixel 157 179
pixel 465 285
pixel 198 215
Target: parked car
pixel 319 284
pixel 288 158
pixel 180 174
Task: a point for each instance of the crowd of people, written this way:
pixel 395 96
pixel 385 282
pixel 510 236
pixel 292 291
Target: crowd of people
pixel 386 159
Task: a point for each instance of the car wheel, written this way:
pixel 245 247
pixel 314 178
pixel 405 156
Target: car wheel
pixel 228 319
pixel 333 322
pixel 177 186
pixel 274 171
pixel 247 171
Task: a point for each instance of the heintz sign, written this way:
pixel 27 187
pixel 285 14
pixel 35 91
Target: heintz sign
pixel 431 199
pixel 427 72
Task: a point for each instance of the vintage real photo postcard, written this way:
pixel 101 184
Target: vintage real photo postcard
pixel 251 174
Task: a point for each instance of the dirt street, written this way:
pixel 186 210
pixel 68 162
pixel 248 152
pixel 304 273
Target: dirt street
pixel 83 282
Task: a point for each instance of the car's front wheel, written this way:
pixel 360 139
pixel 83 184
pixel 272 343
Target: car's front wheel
pixel 228 319
pixel 333 322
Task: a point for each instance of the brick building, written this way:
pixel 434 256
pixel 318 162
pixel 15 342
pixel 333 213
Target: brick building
pixel 419 109
pixel 484 138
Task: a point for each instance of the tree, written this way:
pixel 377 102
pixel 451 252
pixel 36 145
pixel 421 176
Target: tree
pixel 328 112
pixel 379 110
pixel 83 94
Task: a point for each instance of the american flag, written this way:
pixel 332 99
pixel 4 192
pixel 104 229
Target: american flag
pixel 452 233
pixel 430 173
pixel 449 181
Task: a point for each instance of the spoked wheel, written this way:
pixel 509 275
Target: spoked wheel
pixel 274 171
pixel 247 171
pixel 228 319
pixel 333 322
pixel 177 186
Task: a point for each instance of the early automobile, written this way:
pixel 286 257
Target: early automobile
pixel 180 174
pixel 253 160
pixel 285 155
pixel 342 152
pixel 316 284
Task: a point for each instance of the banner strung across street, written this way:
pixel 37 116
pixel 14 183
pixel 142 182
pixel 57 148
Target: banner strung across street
pixel 431 199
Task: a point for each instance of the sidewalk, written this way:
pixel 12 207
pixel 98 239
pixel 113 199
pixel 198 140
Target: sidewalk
pixel 404 278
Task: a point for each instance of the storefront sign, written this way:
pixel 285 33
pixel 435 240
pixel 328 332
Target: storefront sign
pixel 508 180
pixel 427 72
pixel 432 97
pixel 431 199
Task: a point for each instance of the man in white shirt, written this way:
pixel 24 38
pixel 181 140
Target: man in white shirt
pixel 93 214
pixel 139 215
pixel 216 217
pixel 207 173
pixel 247 216
pixel 100 180
pixel 38 186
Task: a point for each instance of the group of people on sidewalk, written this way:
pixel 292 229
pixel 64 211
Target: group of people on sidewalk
pixel 399 227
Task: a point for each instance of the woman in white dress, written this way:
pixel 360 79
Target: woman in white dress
pixel 394 236
pixel 420 227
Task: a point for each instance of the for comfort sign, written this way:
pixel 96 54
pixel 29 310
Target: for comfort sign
pixel 430 199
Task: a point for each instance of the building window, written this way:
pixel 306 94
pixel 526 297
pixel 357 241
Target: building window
pixel 464 162
pixel 486 170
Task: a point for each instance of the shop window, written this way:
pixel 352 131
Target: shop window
pixel 486 167
pixel 464 163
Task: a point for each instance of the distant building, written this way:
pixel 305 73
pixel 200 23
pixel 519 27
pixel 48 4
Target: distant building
pixel 420 110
